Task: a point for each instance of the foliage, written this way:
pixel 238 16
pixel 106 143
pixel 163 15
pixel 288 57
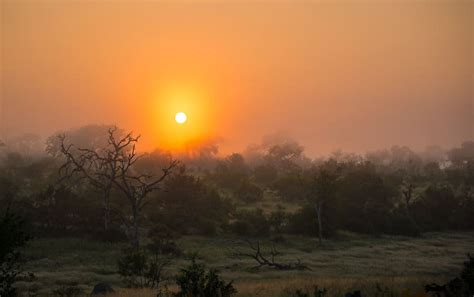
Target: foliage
pixel 189 206
pixel 195 281
pixel 467 273
pixel 289 187
pixel 65 291
pixel 13 236
pixel 316 292
pixel 231 171
pixel 251 223
pixel 140 270
pixel 249 192
pixel 162 241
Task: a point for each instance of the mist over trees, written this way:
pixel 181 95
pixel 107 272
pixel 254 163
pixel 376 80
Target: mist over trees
pixel 91 182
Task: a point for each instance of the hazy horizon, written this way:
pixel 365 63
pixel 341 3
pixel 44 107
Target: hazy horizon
pixel 350 75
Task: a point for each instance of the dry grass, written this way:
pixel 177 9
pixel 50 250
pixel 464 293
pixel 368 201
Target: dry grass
pixel 348 262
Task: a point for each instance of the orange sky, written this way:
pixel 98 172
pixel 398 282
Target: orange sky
pixel 356 75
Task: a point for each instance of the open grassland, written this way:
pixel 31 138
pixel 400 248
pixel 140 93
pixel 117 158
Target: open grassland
pixel 347 262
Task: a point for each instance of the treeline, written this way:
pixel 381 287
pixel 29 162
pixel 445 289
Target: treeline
pixel 92 182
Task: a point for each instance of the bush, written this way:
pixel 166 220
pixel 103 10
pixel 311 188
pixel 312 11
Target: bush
pixel 112 235
pixel 194 281
pixel 13 236
pixel 251 223
pixel 402 224
pixel 278 220
pixel 316 292
pixel 467 273
pixel 138 270
pixel 163 242
pixel 68 292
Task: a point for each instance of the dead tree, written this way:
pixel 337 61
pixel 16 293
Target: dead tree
pixel 135 186
pixel 269 260
pixel 114 167
pixel 93 166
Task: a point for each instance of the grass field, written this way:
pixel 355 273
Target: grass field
pixel 350 261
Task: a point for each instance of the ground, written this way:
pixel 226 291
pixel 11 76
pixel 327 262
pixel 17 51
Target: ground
pixel 347 262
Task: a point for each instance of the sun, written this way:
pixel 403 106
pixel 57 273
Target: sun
pixel 181 117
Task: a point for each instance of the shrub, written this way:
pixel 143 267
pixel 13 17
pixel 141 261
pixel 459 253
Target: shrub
pixel 317 292
pixel 13 236
pixel 163 241
pixel 195 281
pixel 278 219
pixel 251 223
pixel 139 270
pixel 467 273
pixel 68 292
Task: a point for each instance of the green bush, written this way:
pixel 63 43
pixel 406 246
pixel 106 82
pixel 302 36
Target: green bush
pixel 195 281
pixel 13 236
pixel 251 223
pixel 467 273
pixel 139 270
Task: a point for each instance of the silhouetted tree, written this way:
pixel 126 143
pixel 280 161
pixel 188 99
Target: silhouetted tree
pixel 114 166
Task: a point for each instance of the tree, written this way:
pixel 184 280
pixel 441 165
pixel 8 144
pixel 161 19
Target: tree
pixel 322 188
pixel 463 154
pixel 115 166
pixel 231 171
pixel 95 166
pixel 190 206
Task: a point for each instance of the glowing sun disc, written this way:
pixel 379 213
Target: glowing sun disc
pixel 181 118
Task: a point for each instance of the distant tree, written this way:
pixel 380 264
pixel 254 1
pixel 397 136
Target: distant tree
pixel 288 186
pixel 463 154
pixel 365 199
pixel 285 156
pixel 322 188
pixel 190 206
pixel 265 174
pixel 438 208
pixel 251 223
pixel 249 192
pixel 92 137
pixel 230 172
pixel 408 188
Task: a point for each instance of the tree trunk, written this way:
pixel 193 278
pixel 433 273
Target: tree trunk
pixel 106 209
pixel 318 208
pixel 135 239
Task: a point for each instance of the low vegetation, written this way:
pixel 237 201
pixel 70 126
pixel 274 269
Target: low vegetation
pixel 385 222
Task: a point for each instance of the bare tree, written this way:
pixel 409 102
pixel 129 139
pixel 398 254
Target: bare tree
pixel 114 167
pixel 99 170
pixel 269 260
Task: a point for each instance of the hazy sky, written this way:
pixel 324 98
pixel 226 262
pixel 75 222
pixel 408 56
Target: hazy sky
pixel 356 75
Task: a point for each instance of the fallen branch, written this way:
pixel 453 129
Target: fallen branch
pixel 256 254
